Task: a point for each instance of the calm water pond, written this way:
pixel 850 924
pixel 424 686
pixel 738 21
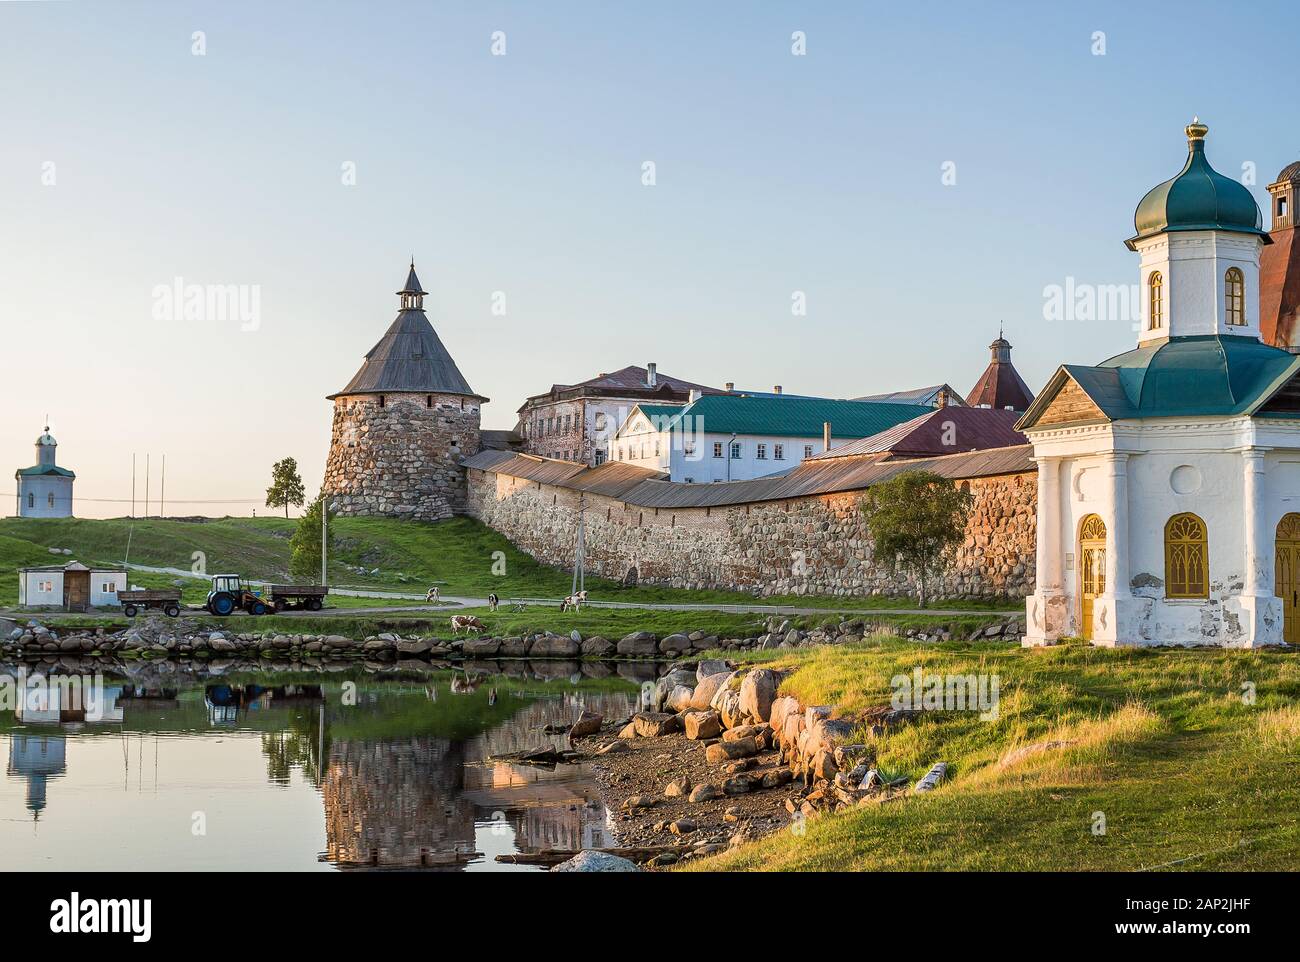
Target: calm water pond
pixel 253 770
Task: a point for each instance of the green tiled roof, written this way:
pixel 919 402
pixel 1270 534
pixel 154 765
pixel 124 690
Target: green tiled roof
pixel 795 417
pixel 41 470
pixel 1184 376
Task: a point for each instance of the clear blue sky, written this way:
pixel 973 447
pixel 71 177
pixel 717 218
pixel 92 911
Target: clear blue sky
pixel 522 174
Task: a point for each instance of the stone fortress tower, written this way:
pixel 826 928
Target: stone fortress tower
pixel 402 425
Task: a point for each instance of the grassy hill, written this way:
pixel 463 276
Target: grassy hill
pixel 1185 771
pixel 461 556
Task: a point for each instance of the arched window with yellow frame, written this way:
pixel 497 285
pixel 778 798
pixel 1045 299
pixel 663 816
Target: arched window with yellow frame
pixel 1155 301
pixel 1187 558
pixel 1234 297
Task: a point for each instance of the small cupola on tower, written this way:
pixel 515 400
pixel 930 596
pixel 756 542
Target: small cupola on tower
pixel 1000 386
pixel 1279 266
pixel 1199 235
pixel 46 448
pixel 412 294
pixel 1282 196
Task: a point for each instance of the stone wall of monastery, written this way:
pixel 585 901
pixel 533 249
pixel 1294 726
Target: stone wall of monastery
pixel 811 545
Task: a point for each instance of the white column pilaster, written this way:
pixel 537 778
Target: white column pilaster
pixel 1048 531
pixel 1256 563
pixel 1117 576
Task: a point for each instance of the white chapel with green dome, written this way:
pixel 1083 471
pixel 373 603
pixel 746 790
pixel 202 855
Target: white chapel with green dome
pixel 45 489
pixel 1169 475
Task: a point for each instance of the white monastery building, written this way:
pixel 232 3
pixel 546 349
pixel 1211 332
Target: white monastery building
pixel 45 489
pixel 737 437
pixel 1169 475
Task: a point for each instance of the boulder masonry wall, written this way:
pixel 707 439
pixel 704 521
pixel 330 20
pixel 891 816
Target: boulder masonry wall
pixel 808 545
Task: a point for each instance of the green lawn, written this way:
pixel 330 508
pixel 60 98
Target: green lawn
pixel 461 556
pixel 1164 747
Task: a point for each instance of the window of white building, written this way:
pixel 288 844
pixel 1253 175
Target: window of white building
pixel 778 452
pixel 761 452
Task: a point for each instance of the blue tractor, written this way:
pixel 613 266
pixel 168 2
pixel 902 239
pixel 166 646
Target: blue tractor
pixel 229 592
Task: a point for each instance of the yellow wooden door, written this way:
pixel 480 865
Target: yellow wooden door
pixel 1092 569
pixel 1287 575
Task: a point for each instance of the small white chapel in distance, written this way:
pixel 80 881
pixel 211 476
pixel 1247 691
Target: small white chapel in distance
pixel 1169 475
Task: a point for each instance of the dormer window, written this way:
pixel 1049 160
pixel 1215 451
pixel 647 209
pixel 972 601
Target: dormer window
pixel 1156 302
pixel 1234 297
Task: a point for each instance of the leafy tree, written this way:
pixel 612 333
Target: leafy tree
pixel 286 486
pixel 304 544
pixel 916 519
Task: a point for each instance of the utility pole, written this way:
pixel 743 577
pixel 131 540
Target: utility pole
pixel 146 485
pixel 324 540
pixel 580 547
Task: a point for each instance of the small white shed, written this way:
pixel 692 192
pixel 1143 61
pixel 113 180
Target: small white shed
pixel 72 586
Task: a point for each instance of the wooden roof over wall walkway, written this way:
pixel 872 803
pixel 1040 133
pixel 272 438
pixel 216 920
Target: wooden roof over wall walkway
pixel 650 489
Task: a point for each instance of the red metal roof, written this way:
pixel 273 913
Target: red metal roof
pixel 949 430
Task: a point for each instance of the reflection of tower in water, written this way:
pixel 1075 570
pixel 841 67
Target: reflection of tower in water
pixel 396 803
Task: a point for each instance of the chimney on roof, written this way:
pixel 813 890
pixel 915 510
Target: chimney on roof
pixel 651 374
pixel 826 435
pixel 776 389
pixel 941 399
pixel 729 386
pixel 694 395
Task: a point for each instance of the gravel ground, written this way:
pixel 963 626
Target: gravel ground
pixel 648 766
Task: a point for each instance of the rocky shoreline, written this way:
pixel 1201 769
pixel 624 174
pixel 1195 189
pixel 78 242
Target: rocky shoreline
pixel 156 637
pixel 720 758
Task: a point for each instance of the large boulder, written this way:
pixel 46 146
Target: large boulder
pixel 706 688
pixel 665 685
pixel 711 666
pixel 826 735
pixel 554 646
pixel 639 644
pixel 649 724
pixel 675 643
pixel 589 861
pixel 727 704
pixel 597 647
pixel 513 647
pixel 782 708
pixel 481 647
pixel 588 723
pixel 679 699
pixel 757 692
pixel 719 752
pixel 704 793
pixel 702 724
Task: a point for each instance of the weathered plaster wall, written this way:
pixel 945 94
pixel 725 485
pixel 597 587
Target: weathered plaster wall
pixel 811 545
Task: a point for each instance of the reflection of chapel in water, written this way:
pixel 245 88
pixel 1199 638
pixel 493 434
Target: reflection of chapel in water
pixel 37 758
